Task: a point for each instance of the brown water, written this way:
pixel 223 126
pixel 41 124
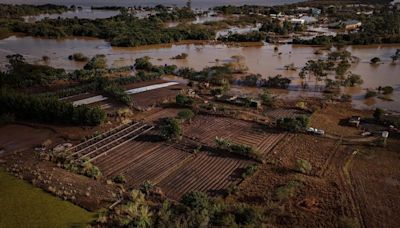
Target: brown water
pixel 204 4
pixel 260 59
pixel 84 13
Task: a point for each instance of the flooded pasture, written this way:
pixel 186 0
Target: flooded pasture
pixel 261 59
pixel 83 13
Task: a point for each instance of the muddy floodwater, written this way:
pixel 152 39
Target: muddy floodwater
pixel 83 13
pixel 260 59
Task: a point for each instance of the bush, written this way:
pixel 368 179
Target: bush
pixel 79 57
pixel 296 124
pixel 170 129
pixel 96 63
pixel 375 60
pixel 386 90
pixel 246 215
pixel 239 149
pixel 371 93
pixel 118 93
pixel 250 170
pixel 119 179
pixel 195 200
pixel 286 191
pixel 267 99
pixel 186 114
pixel 378 113
pixel 146 187
pixel 183 100
pixel 303 166
pixel 346 98
pixel 91 170
pixel 180 56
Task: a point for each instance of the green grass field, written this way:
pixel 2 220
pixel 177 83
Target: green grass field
pixel 23 205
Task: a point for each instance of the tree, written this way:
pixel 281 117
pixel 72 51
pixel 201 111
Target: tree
pixel 170 129
pixel 314 69
pixel 378 113
pixel 297 124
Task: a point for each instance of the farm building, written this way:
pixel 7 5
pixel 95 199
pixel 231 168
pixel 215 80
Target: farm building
pixel 351 24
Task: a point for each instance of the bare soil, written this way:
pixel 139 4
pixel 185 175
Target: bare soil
pixel 333 117
pixel 88 193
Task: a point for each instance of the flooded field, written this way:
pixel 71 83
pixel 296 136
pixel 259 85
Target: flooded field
pixel 260 59
pixel 205 4
pixel 84 13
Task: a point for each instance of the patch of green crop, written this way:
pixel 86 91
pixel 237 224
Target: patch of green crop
pixel 23 205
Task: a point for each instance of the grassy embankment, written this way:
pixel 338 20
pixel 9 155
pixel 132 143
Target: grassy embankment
pixel 23 205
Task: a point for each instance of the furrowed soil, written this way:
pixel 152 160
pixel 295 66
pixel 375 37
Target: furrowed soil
pixel 375 176
pixel 337 192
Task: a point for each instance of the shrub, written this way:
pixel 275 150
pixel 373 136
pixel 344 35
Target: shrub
pixel 378 113
pixel 170 129
pixel 90 170
pixel 96 63
pixel 239 149
pixel 348 222
pixel 267 99
pixel 286 191
pixel 79 57
pixel 386 90
pixel 186 114
pixel 296 124
pixel 346 98
pixel 119 179
pixel 250 170
pixel 375 60
pixel 371 93
pixel 183 100
pixel 195 200
pixel 303 166
pixel 180 56
pixel 118 93
pixel 246 215
pixel 146 187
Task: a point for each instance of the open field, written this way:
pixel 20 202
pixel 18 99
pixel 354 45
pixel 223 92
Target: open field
pixel 23 205
pixel 173 166
pixel 375 177
pixel 205 172
pixel 205 128
pixel 332 118
pixel 19 137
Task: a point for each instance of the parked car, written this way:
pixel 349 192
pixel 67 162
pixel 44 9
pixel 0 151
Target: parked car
pixel 315 131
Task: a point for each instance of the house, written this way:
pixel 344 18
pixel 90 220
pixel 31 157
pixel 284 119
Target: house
pixel 351 24
pixel 315 11
pixel 296 21
pixel 309 20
